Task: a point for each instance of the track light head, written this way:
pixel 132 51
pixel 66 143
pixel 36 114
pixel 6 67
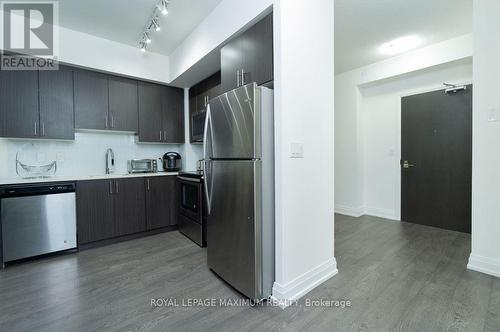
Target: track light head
pixel 142 45
pixel 147 39
pixel 156 24
pixel 163 7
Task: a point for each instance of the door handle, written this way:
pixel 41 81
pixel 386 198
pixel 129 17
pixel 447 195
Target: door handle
pixel 238 78
pixel 406 164
pixel 208 181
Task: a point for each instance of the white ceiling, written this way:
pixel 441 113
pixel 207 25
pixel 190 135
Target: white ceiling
pixel 124 21
pixel 361 26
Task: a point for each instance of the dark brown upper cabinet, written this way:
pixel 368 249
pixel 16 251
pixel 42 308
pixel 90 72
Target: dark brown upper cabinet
pixel 56 104
pixel 37 104
pixel 173 115
pixel 91 100
pixel 248 58
pixel 161 114
pixel 123 104
pixel 19 107
pixel 150 113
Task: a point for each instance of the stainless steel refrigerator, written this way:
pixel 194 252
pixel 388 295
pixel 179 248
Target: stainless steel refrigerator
pixel 239 187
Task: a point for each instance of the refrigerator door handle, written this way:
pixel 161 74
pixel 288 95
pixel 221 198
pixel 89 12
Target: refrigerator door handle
pixel 206 157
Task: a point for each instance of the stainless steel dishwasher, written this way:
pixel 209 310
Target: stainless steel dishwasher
pixel 37 219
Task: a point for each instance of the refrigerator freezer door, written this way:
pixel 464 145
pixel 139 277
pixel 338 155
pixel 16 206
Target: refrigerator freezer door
pixel 234 121
pixel 231 232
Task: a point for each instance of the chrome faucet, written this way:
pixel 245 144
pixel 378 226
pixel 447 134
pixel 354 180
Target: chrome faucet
pixel 110 161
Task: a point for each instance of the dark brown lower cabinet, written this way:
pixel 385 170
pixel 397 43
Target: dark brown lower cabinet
pixel 112 208
pixel 94 210
pixel 161 202
pixel 130 206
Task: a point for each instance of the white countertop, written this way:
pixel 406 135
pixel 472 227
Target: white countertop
pixel 5 181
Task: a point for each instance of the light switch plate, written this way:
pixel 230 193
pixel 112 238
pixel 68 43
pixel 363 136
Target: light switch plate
pixel 494 115
pixel 296 150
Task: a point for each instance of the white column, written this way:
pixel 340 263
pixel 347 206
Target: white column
pixel 304 110
pixel 485 255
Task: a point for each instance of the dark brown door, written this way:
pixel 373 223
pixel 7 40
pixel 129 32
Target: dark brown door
pixel 150 113
pixel 436 166
pixel 161 201
pixel 123 104
pixel 231 63
pixel 94 208
pixel 91 100
pixel 173 115
pixel 57 119
pixel 130 206
pixel 19 114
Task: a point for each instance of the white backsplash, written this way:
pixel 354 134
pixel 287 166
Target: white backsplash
pixel 86 155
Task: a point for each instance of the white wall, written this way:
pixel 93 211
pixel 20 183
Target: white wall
pixel 380 118
pixel 485 255
pixel 304 112
pixel 84 156
pixel 349 118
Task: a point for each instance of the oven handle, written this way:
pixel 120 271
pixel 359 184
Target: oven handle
pixel 188 179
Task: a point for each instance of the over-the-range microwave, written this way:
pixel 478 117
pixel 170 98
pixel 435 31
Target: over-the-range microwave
pixel 198 125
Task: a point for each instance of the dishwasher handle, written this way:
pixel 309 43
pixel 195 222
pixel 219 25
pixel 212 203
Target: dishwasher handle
pixel 36 190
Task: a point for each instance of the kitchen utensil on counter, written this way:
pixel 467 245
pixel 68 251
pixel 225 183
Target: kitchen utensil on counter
pixel 172 162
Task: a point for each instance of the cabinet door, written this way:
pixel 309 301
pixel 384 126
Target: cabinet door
pixel 57 119
pixel 94 209
pixel 150 113
pixel 129 206
pixel 257 51
pixel 91 100
pixel 161 198
pixel 123 104
pixel 192 110
pixel 173 115
pixel 19 115
pixel 231 63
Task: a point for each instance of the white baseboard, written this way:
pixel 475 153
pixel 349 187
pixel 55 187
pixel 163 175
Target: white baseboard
pixel 286 294
pixel 380 213
pixel 349 211
pixel 365 210
pixel 484 265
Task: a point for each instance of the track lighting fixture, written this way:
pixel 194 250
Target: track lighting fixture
pixel 163 7
pixel 154 23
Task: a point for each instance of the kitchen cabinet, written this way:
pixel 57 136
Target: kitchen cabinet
pixel 150 113
pixel 94 211
pixel 56 104
pixel 19 105
pixel 161 202
pixel 129 206
pixel 161 114
pixel 123 104
pixel 110 208
pixel 91 100
pixel 173 115
pixel 249 57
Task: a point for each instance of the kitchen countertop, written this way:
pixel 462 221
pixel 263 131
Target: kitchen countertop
pixel 7 181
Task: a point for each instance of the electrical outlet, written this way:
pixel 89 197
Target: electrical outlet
pixel 494 115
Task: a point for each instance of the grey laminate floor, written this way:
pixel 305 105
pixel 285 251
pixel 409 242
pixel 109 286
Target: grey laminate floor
pixel 398 276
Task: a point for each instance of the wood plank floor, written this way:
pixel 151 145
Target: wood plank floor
pixel 398 277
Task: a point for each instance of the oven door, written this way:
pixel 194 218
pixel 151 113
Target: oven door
pixel 191 199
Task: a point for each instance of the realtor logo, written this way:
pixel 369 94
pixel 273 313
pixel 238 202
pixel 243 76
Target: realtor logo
pixel 30 35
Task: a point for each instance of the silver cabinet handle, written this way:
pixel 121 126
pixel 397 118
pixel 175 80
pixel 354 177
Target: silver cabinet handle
pixel 106 121
pixel 36 133
pixel 165 135
pixel 116 187
pixel 242 77
pixel 43 128
pixel 112 121
pixel 160 136
pixel 238 78
pixel 111 187
pixel 148 185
